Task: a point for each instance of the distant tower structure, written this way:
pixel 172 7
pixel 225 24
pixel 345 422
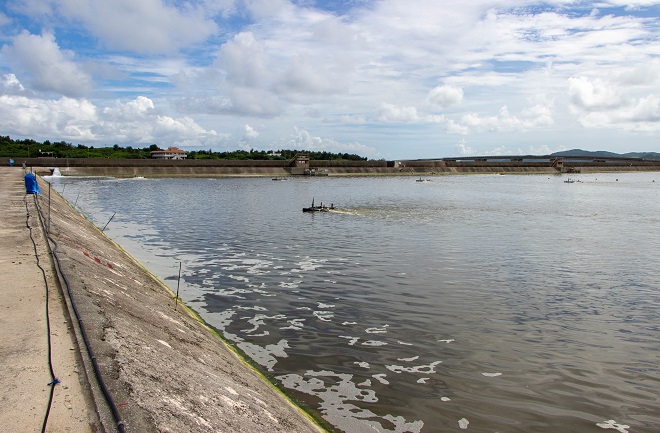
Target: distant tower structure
pixel 558 163
pixel 300 163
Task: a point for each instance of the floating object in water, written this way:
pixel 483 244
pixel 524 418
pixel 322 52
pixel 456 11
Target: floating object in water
pixel 321 208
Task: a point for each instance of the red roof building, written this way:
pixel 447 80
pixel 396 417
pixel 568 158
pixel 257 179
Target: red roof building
pixel 169 153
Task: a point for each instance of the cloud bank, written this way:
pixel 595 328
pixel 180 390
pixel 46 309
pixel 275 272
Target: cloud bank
pixel 390 78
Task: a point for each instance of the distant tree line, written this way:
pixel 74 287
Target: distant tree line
pixel 272 155
pixel 29 148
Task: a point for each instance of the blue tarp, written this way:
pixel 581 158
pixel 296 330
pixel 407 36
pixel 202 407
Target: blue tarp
pixel 31 185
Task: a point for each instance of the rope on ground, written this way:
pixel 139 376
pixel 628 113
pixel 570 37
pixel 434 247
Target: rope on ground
pixel 54 381
pixel 97 371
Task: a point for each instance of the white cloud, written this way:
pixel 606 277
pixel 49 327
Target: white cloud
pixel 600 103
pixel 249 132
pixel 530 118
pixel 138 121
pixel 254 102
pixel 499 68
pixel 391 113
pixel 301 139
pixel 349 119
pixel 309 77
pixel 245 61
pixel 9 85
pixel 592 95
pixel 464 149
pixel 79 120
pixel 453 127
pixel 396 114
pixel 445 96
pixel 64 117
pixel 45 66
pixel 647 109
pixel 145 26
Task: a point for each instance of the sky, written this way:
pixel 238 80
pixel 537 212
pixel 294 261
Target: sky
pixel 384 79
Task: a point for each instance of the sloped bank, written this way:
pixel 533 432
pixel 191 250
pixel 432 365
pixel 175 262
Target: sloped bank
pixel 164 369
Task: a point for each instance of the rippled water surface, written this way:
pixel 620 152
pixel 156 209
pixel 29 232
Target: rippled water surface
pixel 486 303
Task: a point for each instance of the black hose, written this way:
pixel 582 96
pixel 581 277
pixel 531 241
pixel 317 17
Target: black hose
pixel 54 381
pixel 97 371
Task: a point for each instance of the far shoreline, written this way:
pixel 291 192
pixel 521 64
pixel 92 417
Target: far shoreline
pixel 304 167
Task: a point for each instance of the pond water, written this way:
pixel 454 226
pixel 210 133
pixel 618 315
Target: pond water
pixel 490 303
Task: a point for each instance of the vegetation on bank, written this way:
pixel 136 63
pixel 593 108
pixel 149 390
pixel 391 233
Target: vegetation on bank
pixel 29 148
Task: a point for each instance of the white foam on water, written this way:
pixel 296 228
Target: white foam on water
pixel 352 340
pixel 263 293
pixel 336 406
pixel 400 424
pixel 326 316
pixel 232 291
pixel 222 319
pixel 611 424
pixel 252 308
pixel 349 323
pixel 448 340
pixel 491 374
pixel 257 266
pixel 294 324
pixel 381 378
pixel 463 423
pixel 426 368
pixel 414 358
pixel 259 320
pixel 380 330
pixel 239 278
pixel 445 399
pixel 267 355
pixel 374 343
pixel 309 265
pixel 322 305
pixel 362 364
pixel 422 380
pixel 403 343
pixel 263 334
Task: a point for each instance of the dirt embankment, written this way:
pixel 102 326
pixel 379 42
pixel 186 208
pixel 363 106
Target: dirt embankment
pixel 164 369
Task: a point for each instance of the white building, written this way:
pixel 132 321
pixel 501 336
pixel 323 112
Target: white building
pixel 169 153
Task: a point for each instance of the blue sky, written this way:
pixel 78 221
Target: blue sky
pixel 392 79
